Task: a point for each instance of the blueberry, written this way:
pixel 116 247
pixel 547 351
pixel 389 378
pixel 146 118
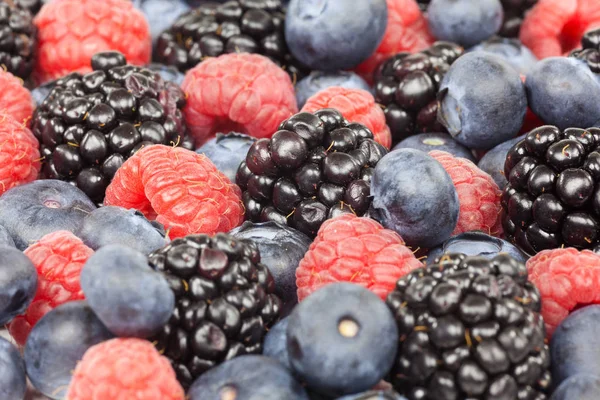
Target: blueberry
pixel 18 283
pixel 575 345
pixel 275 344
pixel 564 92
pixel 511 50
pixel 57 343
pixel 117 225
pixel 161 13
pixel 281 249
pixel 580 387
pixel 317 81
pixel 5 238
pixel 13 382
pixel 333 35
pixel 493 161
pixel 227 152
pixel 476 244
pixel 466 22
pixel 30 211
pixel 435 141
pixel 248 377
pixel 482 101
pixel 374 395
pixel 128 296
pixel 167 73
pixel 342 339
pixel 414 195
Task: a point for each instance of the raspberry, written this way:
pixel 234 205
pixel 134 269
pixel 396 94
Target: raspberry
pixel 566 278
pixel 15 99
pixel 19 154
pixel 72 31
pixel 555 27
pixel 59 258
pixel 124 369
pixel 358 250
pixel 406 31
pixel 356 105
pixel 246 93
pixel 182 189
pixel 478 194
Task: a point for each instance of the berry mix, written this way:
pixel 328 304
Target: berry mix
pixel 299 200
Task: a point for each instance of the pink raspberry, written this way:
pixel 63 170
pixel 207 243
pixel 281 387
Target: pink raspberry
pixel 356 105
pixel 245 93
pixel 478 194
pixel 15 99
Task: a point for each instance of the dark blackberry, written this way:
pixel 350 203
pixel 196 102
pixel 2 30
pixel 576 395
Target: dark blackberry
pixel 224 302
pixel 32 5
pixel 407 85
pixel 553 198
pixel 18 39
pixel 315 167
pixel 470 327
pixel 90 124
pixel 212 29
pixel 590 51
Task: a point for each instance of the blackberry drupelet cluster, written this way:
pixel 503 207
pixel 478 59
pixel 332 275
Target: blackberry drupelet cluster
pixel 90 124
pixel 470 328
pixel 224 302
pixel 553 198
pixel 317 166
pixel 32 5
pixel 18 39
pixel 236 26
pixel 407 85
pixel 590 51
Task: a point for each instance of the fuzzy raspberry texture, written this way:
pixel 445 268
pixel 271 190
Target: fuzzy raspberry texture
pixel 358 250
pixel 478 194
pixel 246 93
pixel 566 278
pixel 19 154
pixel 406 30
pixel 179 188
pixel 15 99
pixel 555 27
pixel 72 31
pixel 59 258
pixel 356 105
pixel 124 369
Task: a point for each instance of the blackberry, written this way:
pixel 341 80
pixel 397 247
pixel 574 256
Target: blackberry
pixel 212 29
pixel 90 124
pixel 18 40
pixel 407 85
pixel 315 167
pixel 590 51
pixel 470 327
pixel 33 6
pixel 553 198
pixel 224 302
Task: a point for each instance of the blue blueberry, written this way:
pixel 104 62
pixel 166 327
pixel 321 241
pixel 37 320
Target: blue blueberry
pixel 167 73
pixel 436 141
pixel 161 13
pixel 564 92
pixel 318 80
pixel 374 395
pixel 40 93
pixel 493 161
pixel 5 238
pixel 476 244
pixel 30 211
pixel 281 249
pixel 466 22
pixel 482 101
pixel 57 343
pixel 333 35
pixel 575 345
pixel 129 297
pixel 227 152
pixel 341 340
pixel 578 387
pixel 117 225
pixel 511 50
pixel 13 382
pixel 248 377
pixel 18 283
pixel 414 195
pixel 275 344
